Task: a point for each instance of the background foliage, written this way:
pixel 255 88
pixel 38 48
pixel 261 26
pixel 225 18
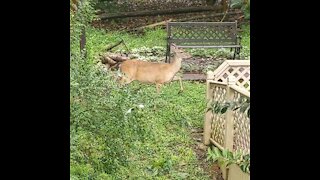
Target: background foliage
pixel 128 132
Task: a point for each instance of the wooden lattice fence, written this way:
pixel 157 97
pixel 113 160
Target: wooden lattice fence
pixel 230 130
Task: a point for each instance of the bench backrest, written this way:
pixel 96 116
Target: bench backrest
pixel 205 34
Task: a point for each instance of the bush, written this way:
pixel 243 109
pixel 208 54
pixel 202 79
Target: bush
pixel 101 132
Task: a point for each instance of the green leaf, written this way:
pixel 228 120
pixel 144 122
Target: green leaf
pixel 217 151
pixel 232 105
pixel 243 167
pixel 217 108
pixel 244 107
pixel 236 108
pixel 236 3
pixel 224 109
pixel 246 157
pixel 222 163
pixel 230 155
pixel 236 156
pixel 225 153
pixel 241 100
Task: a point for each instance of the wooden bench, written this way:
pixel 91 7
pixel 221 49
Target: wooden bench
pixel 203 35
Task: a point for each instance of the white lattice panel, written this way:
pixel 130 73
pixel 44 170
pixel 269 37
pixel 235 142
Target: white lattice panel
pixel 218 120
pixel 240 69
pixel 234 78
pixel 241 139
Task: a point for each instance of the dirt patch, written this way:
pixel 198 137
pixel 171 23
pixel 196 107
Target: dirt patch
pixel 200 65
pixel 201 151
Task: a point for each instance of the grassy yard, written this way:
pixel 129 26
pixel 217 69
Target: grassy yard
pixel 166 120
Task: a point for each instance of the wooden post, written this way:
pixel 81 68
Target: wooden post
pixel 228 138
pixel 168 43
pixel 210 76
pixel 83 40
pixel 207 128
pixel 208 116
pixel 229 116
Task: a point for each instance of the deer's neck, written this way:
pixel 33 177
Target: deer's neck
pixel 176 64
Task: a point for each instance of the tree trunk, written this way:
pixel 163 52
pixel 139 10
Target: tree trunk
pixel 83 42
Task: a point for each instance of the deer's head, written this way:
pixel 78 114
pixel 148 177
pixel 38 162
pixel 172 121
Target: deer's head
pixel 179 52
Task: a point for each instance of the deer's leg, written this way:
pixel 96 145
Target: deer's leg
pixel 124 81
pixel 158 87
pixel 181 87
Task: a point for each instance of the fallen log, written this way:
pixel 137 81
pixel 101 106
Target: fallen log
pixel 151 25
pixel 159 12
pixel 107 60
pixel 207 16
pixel 118 58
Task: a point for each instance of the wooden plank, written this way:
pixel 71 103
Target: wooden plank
pixel 240 90
pixel 229 123
pixel 217 83
pixel 207 127
pixel 216 144
pixel 243 62
pixel 235 173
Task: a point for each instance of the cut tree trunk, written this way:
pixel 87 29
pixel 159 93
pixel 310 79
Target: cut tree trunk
pixel 118 58
pixel 107 60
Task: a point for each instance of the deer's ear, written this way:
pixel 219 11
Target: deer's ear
pixel 174 45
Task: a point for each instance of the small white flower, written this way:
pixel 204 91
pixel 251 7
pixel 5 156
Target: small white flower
pixel 141 106
pixel 129 111
pixel 119 73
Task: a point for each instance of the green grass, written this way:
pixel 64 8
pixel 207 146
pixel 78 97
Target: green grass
pixel 165 151
pixel 98 40
pixel 245 41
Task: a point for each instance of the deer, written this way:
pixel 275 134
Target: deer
pixel 153 72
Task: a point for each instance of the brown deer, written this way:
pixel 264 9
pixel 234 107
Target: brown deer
pixel 151 72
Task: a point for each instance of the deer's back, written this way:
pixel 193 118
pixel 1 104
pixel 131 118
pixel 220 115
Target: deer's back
pixel 147 72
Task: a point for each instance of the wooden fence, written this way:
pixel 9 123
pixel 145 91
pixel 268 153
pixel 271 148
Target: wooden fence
pixel 230 130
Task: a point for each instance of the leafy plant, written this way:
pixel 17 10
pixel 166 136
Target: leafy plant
pixel 81 18
pixel 111 136
pixel 100 128
pixel 154 54
pixel 243 104
pixel 243 4
pixel 225 158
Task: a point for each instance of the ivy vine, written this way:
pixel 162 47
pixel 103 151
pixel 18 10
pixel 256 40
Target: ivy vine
pixel 243 104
